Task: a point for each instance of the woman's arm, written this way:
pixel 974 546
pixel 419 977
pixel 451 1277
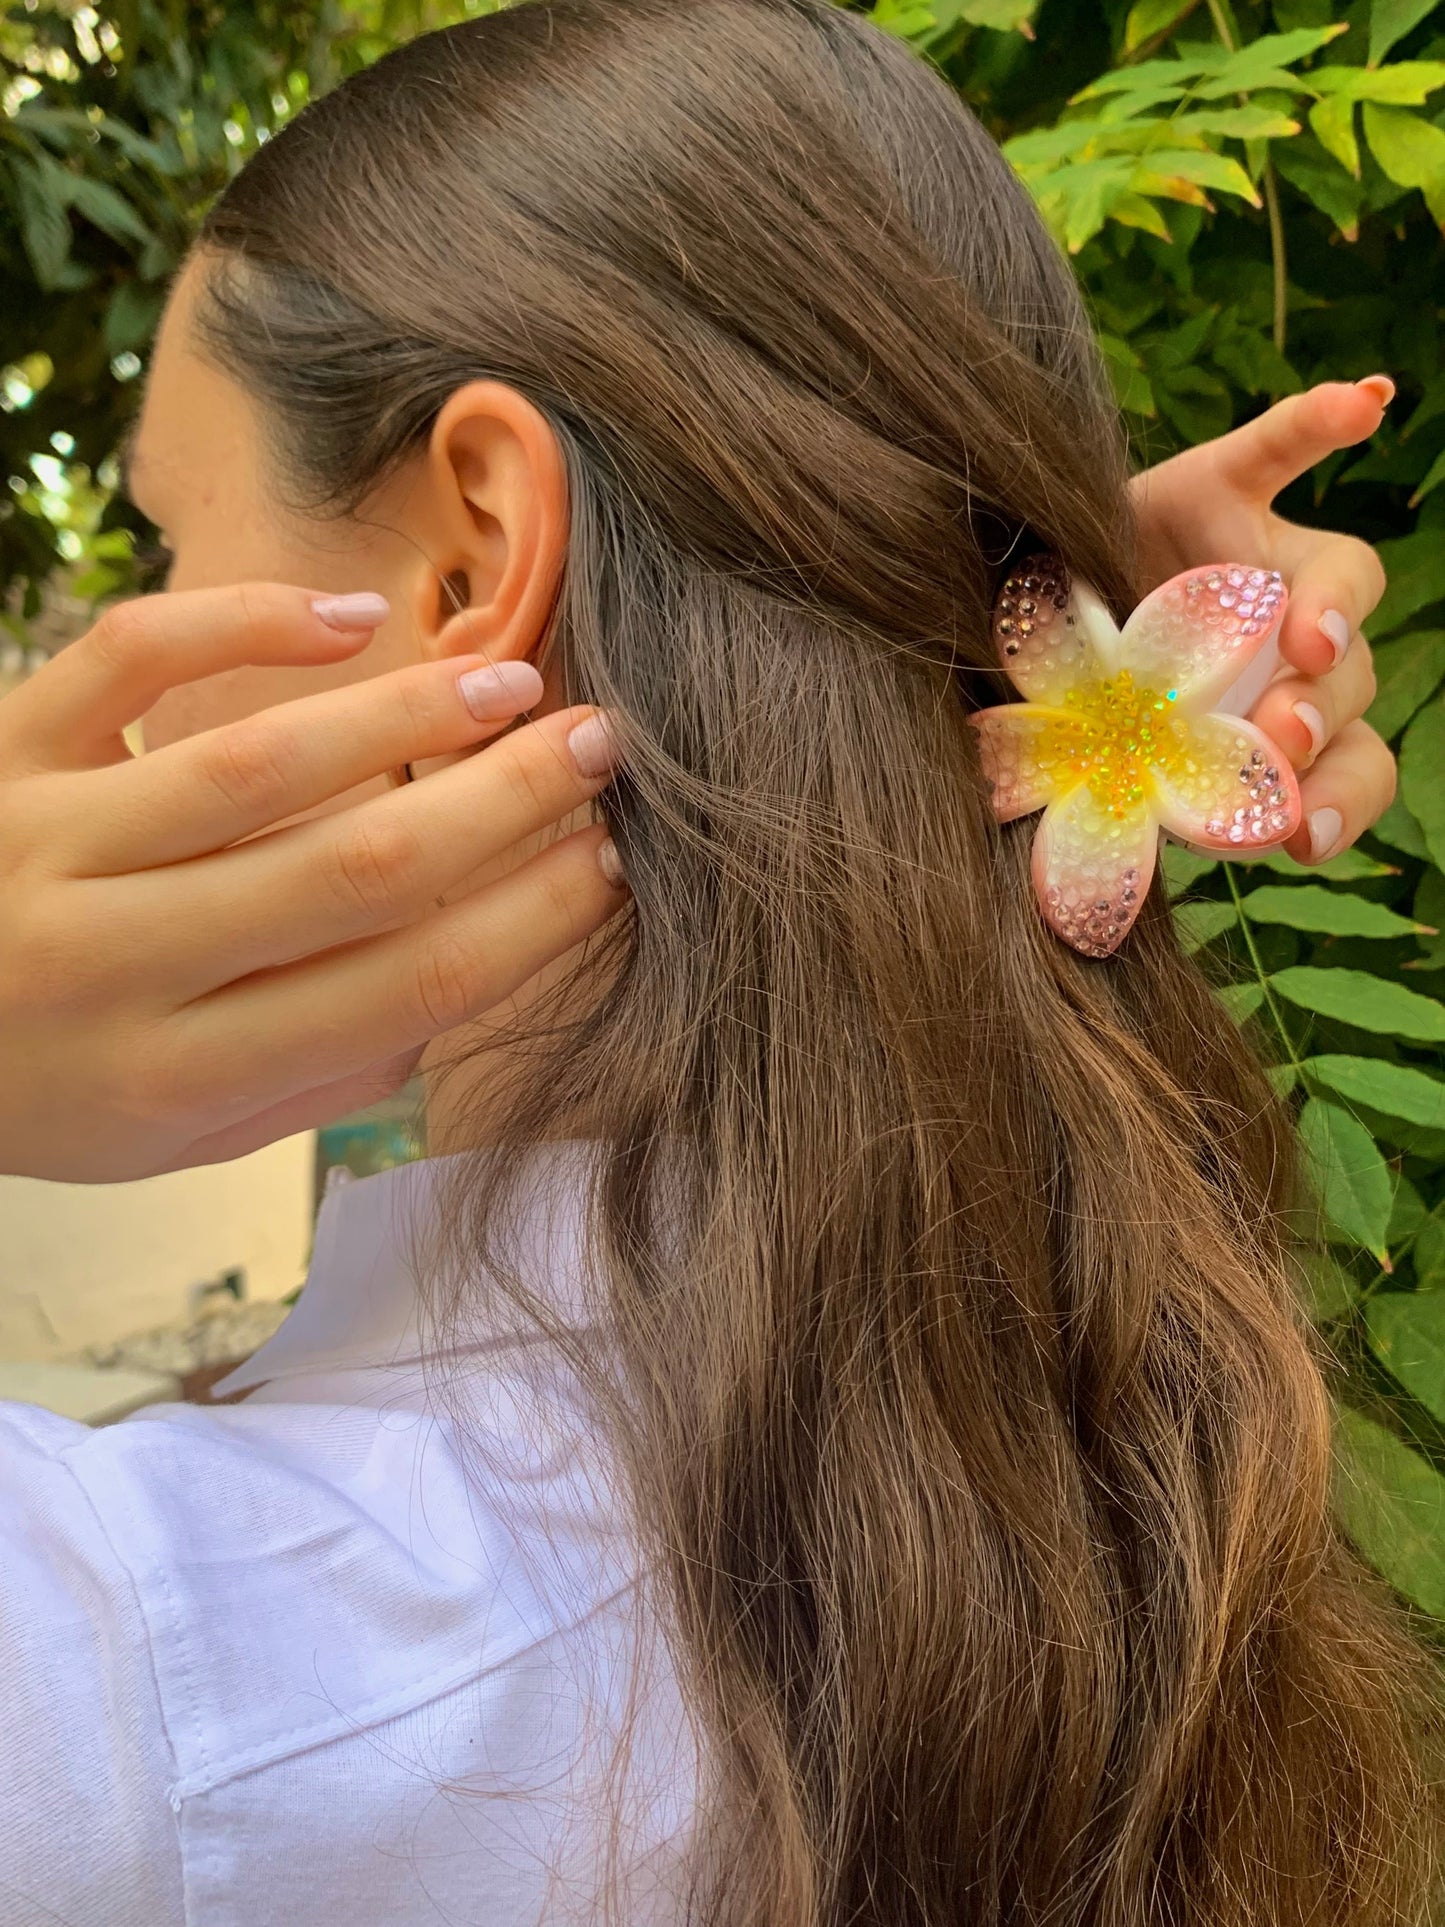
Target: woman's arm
pixel 1212 503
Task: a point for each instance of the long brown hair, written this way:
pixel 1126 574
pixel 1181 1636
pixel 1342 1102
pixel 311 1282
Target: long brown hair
pixel 976 1434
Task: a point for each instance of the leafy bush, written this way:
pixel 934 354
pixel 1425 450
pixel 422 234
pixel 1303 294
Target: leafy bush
pixel 1253 196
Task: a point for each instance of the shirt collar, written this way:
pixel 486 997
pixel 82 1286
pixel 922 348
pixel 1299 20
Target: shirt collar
pixel 359 1306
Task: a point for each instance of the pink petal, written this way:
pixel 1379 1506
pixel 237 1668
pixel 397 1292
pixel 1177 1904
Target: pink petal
pixel 1092 867
pixel 1196 632
pixel 1038 638
pixel 1228 788
pixel 1021 747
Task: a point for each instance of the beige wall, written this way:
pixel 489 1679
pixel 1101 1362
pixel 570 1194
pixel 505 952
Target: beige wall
pixel 86 1264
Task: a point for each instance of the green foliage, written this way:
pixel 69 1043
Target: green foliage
pixel 118 127
pixel 1253 195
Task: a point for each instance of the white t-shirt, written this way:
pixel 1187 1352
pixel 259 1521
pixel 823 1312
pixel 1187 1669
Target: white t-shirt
pixel 307 1658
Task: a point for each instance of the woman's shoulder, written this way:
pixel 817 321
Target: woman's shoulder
pixel 325 1555
pixel 198 1604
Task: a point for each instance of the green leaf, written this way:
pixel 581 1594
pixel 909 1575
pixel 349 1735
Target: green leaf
pixel 1351 1179
pixel 131 318
pixel 1323 182
pixel 1405 84
pixel 1332 913
pixel 1433 477
pixel 1368 1002
pixel 1429 907
pixel 1200 923
pixel 903 17
pixel 1407 1213
pixel 1422 776
pixel 1432 405
pixel 109 211
pixel 1241 1000
pixel 1429 1255
pixel 1397 1090
pixel 1150 17
pixel 1390 1502
pixel 1408 671
pixel 1400 830
pixel 1407 1335
pixel 43 225
pixel 1202 169
pixel 1251 359
pixel 1236 123
pixel 1391 20
pixel 1333 121
pixel 1415 576
pixel 1281 1078
pixel 1184 867
pixel 1350 866
pixel 1229 72
pixel 1134 210
pixel 1003 16
pixel 1409 149
pixel 1331 1288
pixel 1131 384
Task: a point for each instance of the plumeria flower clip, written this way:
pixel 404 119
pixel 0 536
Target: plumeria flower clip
pixel 1120 735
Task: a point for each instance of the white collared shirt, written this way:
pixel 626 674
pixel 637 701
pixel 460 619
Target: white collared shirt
pixel 294 1661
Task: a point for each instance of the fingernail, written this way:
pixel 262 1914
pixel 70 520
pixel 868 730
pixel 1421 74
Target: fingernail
pixel 609 862
pixel 1326 827
pixel 500 689
pixel 1314 722
pixel 1382 386
pixel 1338 630
pixel 593 747
pixel 361 611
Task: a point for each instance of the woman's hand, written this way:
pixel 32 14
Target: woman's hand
pixel 182 982
pixel 1212 504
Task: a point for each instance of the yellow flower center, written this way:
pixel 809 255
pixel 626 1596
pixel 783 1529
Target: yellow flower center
pixel 1118 733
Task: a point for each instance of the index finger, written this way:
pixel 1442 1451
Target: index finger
pixel 70 715
pixel 1263 456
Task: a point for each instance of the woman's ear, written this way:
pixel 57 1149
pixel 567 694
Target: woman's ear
pixel 496 499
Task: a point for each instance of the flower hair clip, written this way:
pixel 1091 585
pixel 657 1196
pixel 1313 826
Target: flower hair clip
pixel 1123 734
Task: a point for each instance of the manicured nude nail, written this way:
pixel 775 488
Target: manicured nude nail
pixel 500 689
pixel 1337 629
pixel 610 864
pixel 1314 722
pixel 593 748
pixel 361 611
pixel 1326 826
pixel 1381 385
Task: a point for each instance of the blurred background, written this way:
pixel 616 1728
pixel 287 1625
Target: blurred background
pixel 1253 196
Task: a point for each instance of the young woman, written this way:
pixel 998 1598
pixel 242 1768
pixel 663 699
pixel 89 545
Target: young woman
pixel 831 1434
